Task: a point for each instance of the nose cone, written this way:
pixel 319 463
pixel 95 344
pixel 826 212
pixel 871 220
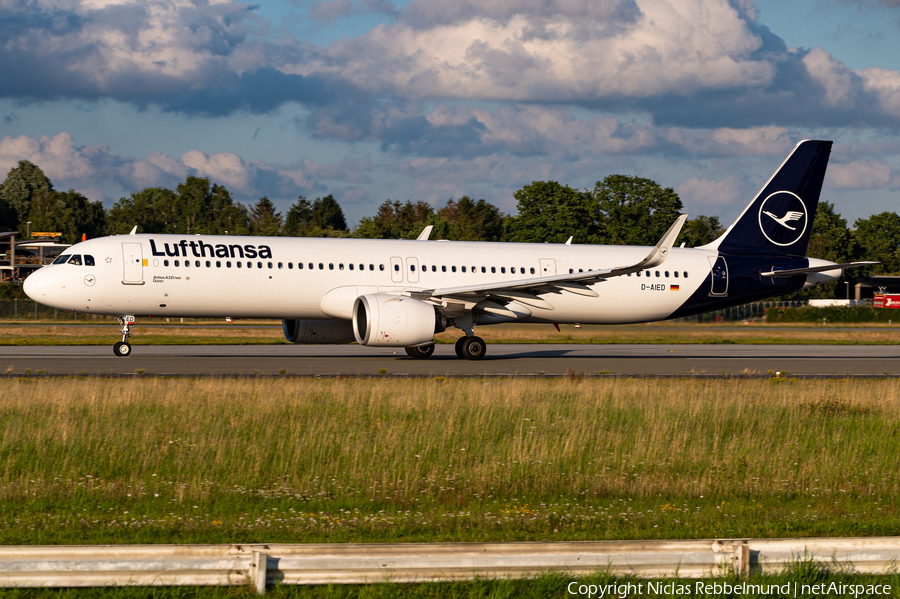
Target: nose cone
pixel 39 285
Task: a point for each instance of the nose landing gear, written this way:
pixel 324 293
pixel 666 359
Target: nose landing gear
pixel 123 348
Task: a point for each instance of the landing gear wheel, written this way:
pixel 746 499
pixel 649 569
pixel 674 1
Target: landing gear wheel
pixel 459 347
pixel 122 349
pixel 474 348
pixel 420 352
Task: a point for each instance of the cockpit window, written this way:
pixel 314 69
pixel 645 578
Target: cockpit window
pixel 62 258
pixel 75 259
pixel 88 260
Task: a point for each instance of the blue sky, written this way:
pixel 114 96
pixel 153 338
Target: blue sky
pixel 433 99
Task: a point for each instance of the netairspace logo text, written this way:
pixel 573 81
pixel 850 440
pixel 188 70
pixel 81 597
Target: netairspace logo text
pixel 790 589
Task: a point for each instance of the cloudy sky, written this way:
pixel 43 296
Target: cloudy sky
pixel 434 99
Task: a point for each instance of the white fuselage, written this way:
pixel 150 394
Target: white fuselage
pixel 208 276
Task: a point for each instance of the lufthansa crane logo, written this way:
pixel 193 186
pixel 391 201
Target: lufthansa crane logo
pixel 782 218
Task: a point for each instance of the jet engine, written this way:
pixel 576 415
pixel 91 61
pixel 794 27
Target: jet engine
pixel 393 320
pixel 317 331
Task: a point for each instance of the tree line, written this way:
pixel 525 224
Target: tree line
pixel 619 210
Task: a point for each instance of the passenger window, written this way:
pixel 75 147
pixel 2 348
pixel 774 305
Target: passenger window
pixel 380 267
pixel 238 263
pixel 197 263
pixel 396 268
pixel 443 269
pixel 62 259
pixel 176 263
pixel 351 266
pixel 453 268
pixel 291 265
pixel 218 264
pixel 685 274
pixel 629 274
pixel 341 266
pixel 667 274
pixel 259 265
pixel 311 266
pixel 582 270
pixel 532 270
pixel 433 268
pixel 571 270
pixel 503 270
pixel 464 269
pixel 269 264
pixel 228 264
pixel 676 274
pixel 88 260
pixel 362 266
pixel 412 268
pixel 280 265
pixel 483 269
pixel 493 269
pixel 331 266
pixel 657 274
pixel 249 264
pixel 165 262
pixel 321 266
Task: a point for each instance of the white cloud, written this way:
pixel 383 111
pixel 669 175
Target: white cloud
pixel 858 175
pixel 94 167
pixel 840 83
pixel 708 193
pixel 672 47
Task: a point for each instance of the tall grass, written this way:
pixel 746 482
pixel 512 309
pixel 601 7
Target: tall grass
pixel 552 453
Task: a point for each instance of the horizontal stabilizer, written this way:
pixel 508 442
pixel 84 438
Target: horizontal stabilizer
pixel 784 274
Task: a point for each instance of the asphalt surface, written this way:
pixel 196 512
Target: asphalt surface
pixel 501 359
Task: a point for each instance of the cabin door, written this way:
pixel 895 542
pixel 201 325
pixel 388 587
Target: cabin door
pixel 133 261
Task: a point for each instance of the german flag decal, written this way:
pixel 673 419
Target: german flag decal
pixel 673 287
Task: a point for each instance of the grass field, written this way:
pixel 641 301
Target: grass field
pixel 157 333
pixel 182 460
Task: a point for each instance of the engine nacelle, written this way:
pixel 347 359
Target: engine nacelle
pixel 382 319
pixel 317 331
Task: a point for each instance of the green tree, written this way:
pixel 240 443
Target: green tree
pixel 264 219
pixel 700 231
pixel 879 239
pixel 551 212
pixel 469 220
pixel 327 214
pixel 397 221
pixel 297 220
pixel 637 211
pixel 152 210
pixel 69 212
pixel 324 217
pixel 16 193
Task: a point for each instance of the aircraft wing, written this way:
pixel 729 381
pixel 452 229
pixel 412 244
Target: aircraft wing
pixel 527 290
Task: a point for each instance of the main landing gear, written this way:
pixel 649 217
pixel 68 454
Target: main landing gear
pixel 123 348
pixel 420 351
pixel 470 348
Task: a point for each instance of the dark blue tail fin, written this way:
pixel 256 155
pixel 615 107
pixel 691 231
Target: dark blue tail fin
pixel 779 219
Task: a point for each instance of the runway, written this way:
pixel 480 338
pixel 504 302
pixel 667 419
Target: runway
pixel 501 359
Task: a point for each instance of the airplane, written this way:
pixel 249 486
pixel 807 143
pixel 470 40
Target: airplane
pixel 400 293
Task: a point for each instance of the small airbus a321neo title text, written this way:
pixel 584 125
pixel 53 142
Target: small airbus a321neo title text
pixel 199 250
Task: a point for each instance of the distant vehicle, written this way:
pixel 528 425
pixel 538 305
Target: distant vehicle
pixel 400 293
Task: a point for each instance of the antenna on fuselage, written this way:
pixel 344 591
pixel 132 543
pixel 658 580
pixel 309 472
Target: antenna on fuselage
pixel 134 230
